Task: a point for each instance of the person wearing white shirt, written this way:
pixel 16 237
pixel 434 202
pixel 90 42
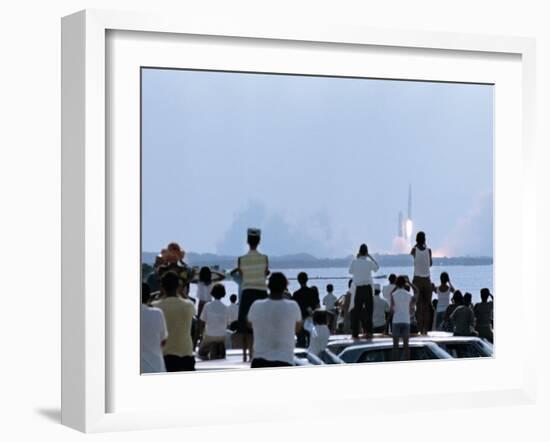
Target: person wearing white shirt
pixel 386 294
pixel 179 312
pixel 422 262
pixel 320 333
pixel 232 320
pixel 233 309
pixel 401 306
pixel 153 335
pixel 275 321
pixel 361 302
pixel 379 310
pixel 214 316
pixel 207 277
pixel 329 301
pixel 443 291
pixel 203 293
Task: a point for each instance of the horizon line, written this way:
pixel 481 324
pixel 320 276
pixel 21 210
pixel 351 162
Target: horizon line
pixel 326 257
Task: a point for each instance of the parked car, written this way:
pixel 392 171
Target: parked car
pixel 304 357
pixel 382 352
pixel 234 360
pixel 461 346
pixel 456 346
pixel 329 358
pixel 338 343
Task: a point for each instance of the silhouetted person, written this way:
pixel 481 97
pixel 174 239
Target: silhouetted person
pixel 434 309
pixel 484 316
pixel 463 320
pixel 458 300
pixel 422 263
pixel 361 305
pixel 468 300
pixel 308 300
pixel 386 294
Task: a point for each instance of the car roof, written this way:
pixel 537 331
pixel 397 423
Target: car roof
pixel 375 345
pixel 379 338
pixel 237 352
pixel 234 360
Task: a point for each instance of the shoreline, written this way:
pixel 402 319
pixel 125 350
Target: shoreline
pixel 304 261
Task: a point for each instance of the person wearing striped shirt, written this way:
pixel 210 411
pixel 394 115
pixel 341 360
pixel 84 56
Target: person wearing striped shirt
pixel 254 269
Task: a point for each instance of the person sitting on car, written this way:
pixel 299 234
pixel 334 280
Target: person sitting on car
pixel 380 308
pixel 320 333
pixel 464 321
pixel 484 315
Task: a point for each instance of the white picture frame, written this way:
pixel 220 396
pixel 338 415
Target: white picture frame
pixel 87 208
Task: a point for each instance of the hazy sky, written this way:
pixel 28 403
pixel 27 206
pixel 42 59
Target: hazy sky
pixel 320 164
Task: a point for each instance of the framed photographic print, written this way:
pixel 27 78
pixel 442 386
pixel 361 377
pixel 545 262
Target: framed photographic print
pixel 249 211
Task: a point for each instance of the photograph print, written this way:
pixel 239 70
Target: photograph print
pixel 298 220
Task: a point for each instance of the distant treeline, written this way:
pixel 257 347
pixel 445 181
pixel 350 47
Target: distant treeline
pixel 305 261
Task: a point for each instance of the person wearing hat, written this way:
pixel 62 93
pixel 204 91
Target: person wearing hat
pixel 254 269
pixel 171 260
pixel 380 308
pixel 484 315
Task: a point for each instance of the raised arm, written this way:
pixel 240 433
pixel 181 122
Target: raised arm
pixel 451 286
pixel 376 265
pixel 220 276
pixel 414 288
pixel 411 306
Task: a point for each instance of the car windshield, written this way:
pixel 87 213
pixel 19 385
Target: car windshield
pixel 464 349
pixel 385 354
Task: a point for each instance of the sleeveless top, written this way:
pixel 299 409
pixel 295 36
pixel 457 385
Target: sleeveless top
pixel 443 299
pixel 422 262
pixel 253 266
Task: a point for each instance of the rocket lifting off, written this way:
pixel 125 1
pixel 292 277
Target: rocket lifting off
pixel 405 226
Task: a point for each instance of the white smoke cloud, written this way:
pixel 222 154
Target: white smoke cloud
pixel 399 245
pixel 313 234
pixel 473 233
